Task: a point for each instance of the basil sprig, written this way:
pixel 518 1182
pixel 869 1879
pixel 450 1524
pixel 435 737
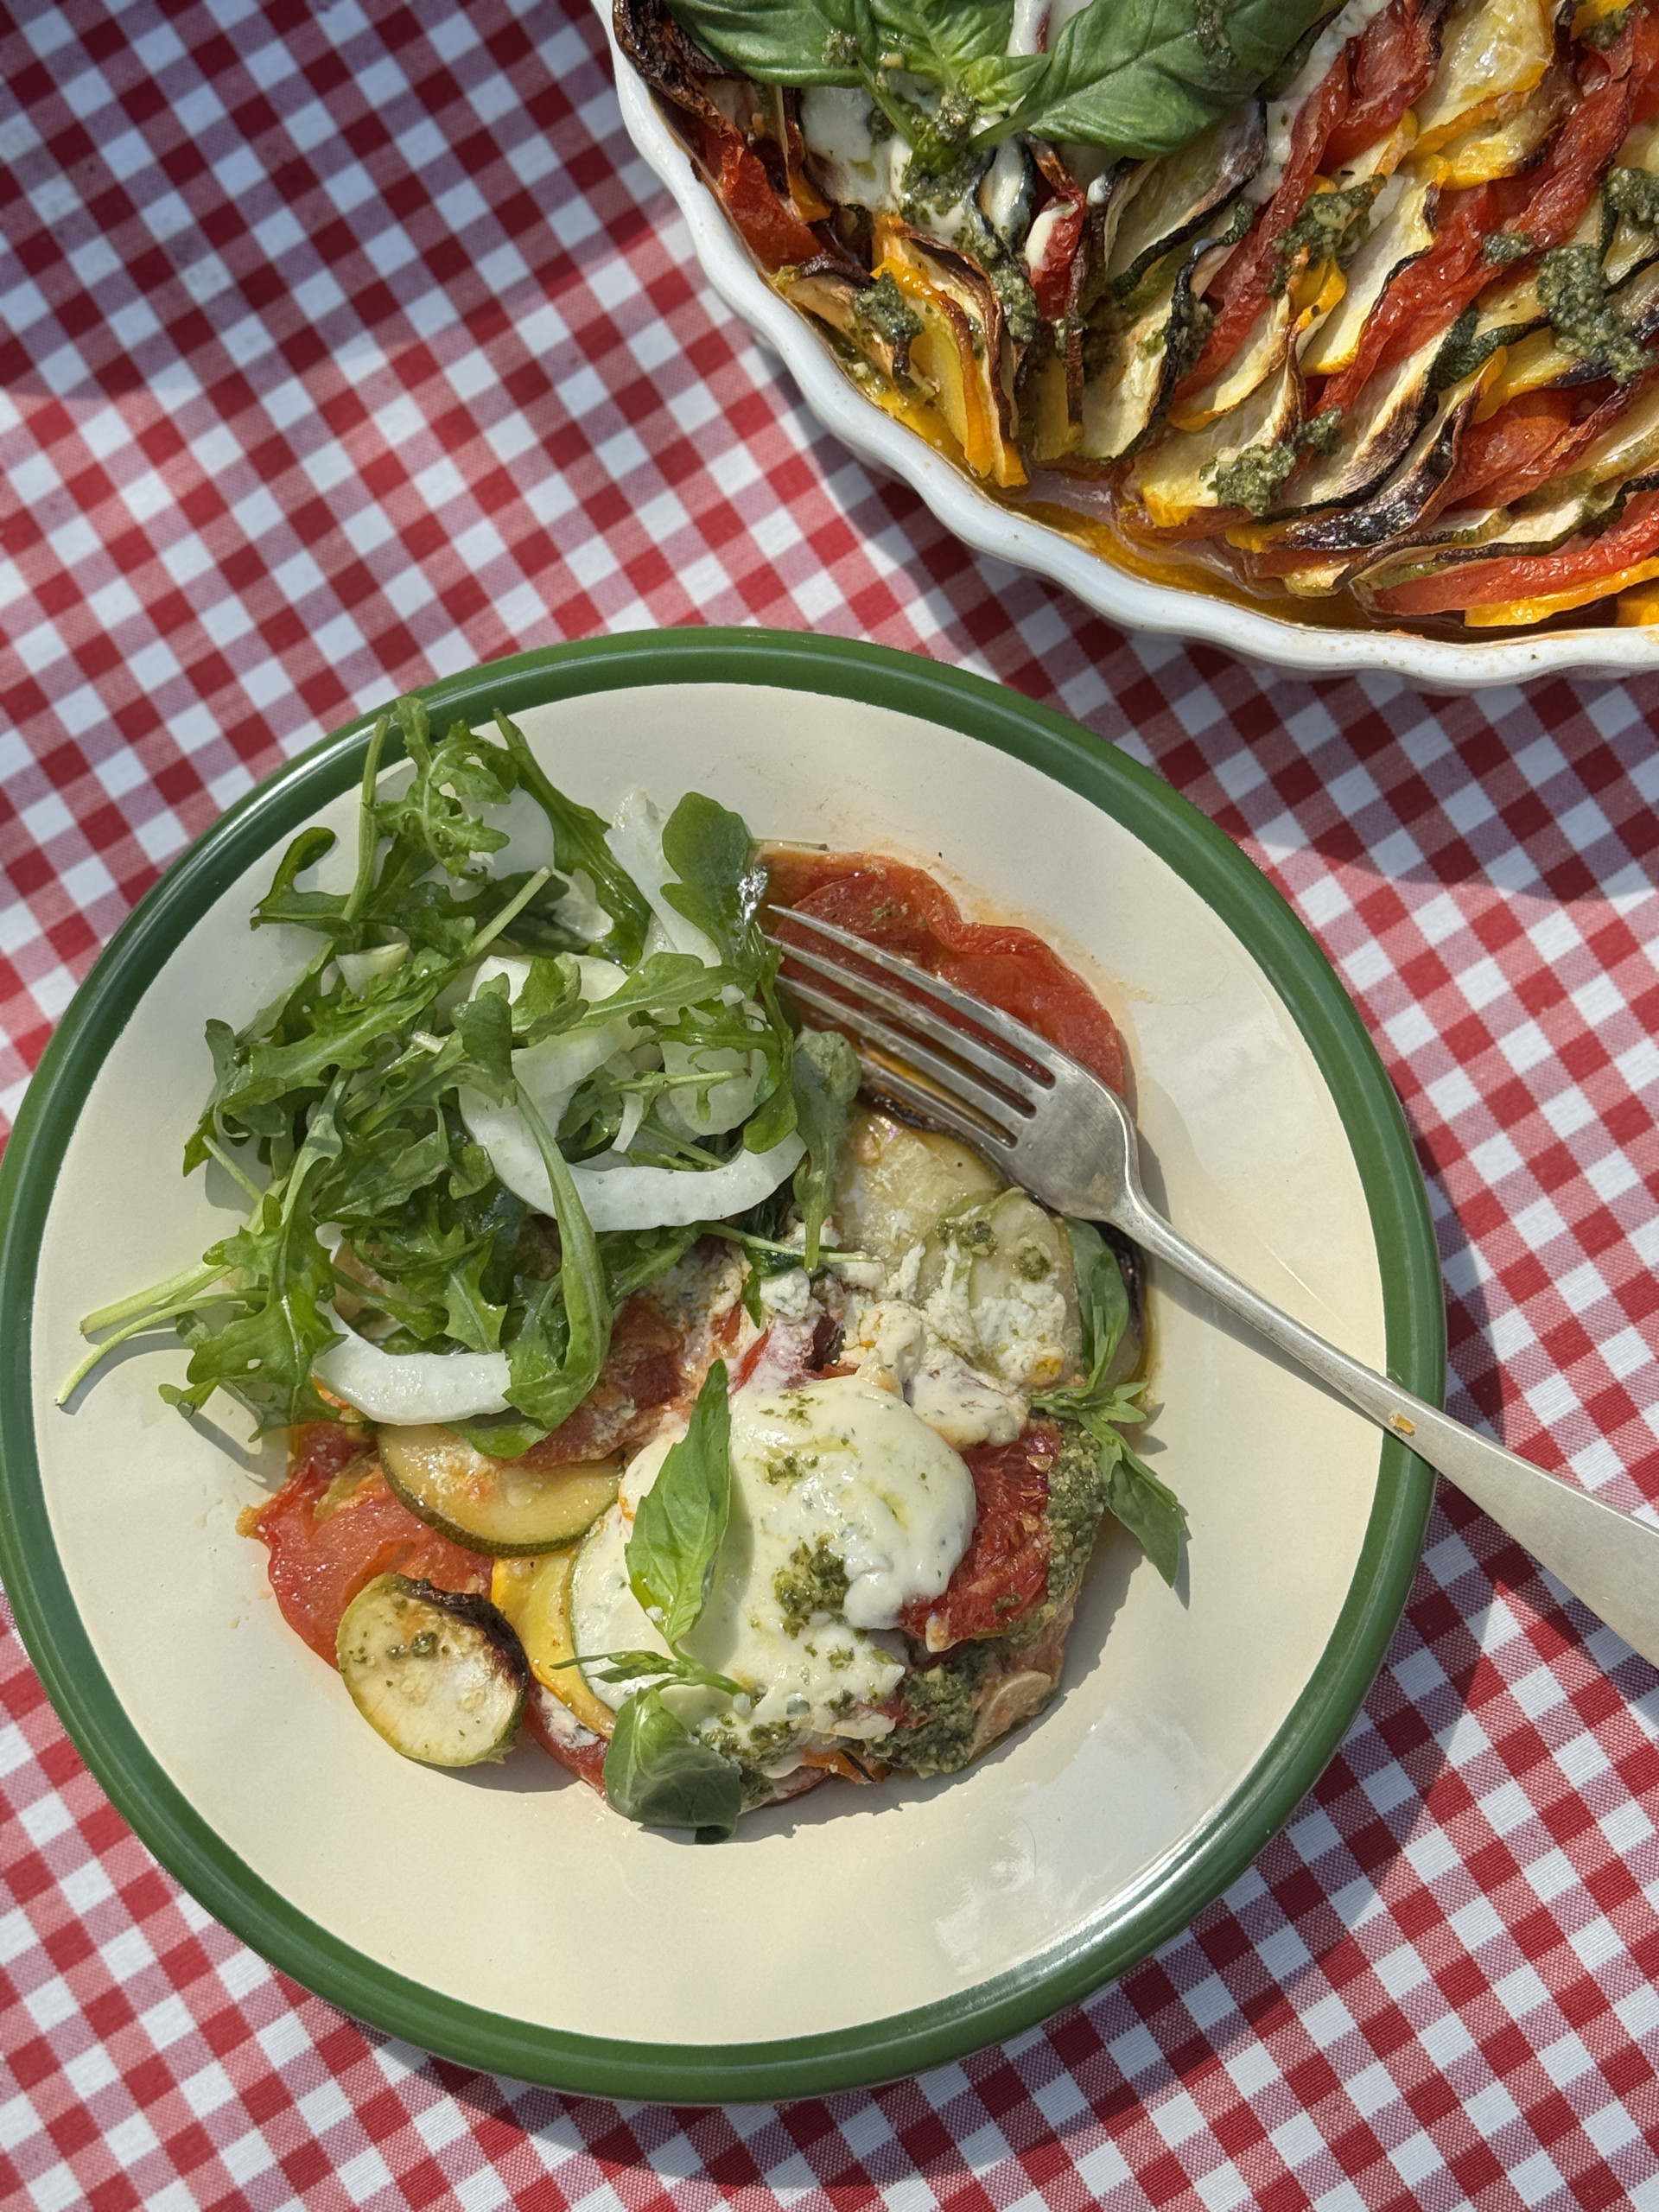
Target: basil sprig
pixel 1139 76
pixel 657 1772
pixel 1149 1509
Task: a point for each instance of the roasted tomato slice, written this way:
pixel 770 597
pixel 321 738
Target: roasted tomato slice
pixel 1004 1572
pixel 328 1533
pixel 1496 583
pixel 906 911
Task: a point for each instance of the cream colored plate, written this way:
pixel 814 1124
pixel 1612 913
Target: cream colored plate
pixel 515 1894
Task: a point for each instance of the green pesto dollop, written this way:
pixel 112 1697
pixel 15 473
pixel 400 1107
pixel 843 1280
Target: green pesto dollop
pixel 1330 223
pixel 1634 194
pixel 884 307
pixel 814 1581
pixel 1252 478
pixel 1573 289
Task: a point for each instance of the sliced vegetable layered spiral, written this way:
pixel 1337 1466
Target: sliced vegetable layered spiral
pixel 1365 304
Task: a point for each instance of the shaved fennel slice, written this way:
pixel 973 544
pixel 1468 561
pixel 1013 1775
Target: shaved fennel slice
pixel 416 1386
pixel 636 838
pixel 618 1194
pixel 550 1072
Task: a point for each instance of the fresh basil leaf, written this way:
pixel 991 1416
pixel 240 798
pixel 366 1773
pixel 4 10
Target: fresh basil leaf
pixel 947 33
pixel 1144 77
pixel 781 41
pixel 1002 81
pixel 826 1077
pixel 658 1773
pixel 1102 1298
pixel 1149 1510
pixel 682 1518
pixel 578 844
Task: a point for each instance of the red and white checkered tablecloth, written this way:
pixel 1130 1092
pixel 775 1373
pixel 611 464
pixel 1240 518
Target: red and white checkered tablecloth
pixel 343 346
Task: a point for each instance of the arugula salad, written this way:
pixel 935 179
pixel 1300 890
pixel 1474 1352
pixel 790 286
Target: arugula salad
pixel 1353 304
pixel 647 1389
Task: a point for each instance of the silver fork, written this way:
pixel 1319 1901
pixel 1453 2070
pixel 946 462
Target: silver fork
pixel 1057 1130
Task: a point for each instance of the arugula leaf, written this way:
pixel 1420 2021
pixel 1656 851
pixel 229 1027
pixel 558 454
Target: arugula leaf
pixel 579 843
pixel 826 1077
pixel 1144 77
pixel 682 1518
pixel 718 887
pixel 658 1773
pixel 431 814
pixel 549 1389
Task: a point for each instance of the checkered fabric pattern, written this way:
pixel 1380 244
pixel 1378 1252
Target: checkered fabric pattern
pixel 340 346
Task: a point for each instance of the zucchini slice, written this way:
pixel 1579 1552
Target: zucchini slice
pixel 438 1673
pixel 535 1596
pixel 500 1507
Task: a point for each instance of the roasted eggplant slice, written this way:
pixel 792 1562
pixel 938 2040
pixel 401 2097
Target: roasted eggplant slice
pixel 1180 194
pixel 869 315
pixel 1131 368
pixel 1401 227
pixel 1353 534
pixel 1392 410
pixel 441 1676
pixel 1241 460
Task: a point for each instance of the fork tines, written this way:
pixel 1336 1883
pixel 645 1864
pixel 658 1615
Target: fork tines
pixel 978 1059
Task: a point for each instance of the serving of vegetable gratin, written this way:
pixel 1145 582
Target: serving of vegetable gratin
pixel 1349 311
pixel 648 1390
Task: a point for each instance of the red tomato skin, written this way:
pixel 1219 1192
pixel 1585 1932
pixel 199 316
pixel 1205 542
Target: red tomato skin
pixel 1389 66
pixel 316 1567
pixel 1004 1572
pixel 643 1370
pixel 905 911
pixel 1244 285
pixel 586 1760
pixel 1489 583
pixel 768 225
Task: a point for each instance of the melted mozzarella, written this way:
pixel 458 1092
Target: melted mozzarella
pixel 835 1465
pixel 858 168
pixel 1282 113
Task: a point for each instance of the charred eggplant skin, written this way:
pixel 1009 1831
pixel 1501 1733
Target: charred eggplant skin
pixel 439 1675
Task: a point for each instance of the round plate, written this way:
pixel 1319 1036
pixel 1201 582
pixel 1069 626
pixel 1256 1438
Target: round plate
pixel 965 508
pixel 509 1919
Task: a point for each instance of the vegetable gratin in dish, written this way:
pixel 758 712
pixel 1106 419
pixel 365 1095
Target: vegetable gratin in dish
pixel 647 1389
pixel 1344 314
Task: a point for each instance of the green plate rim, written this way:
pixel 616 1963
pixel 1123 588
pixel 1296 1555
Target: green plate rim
pixel 1169 1896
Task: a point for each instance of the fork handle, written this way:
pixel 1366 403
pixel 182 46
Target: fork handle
pixel 1605 1557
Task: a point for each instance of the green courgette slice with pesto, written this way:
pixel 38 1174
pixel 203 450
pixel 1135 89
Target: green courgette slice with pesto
pixel 438 1673
pixel 500 1507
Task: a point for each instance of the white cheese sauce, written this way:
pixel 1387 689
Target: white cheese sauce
pixel 837 1467
pixel 1346 23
